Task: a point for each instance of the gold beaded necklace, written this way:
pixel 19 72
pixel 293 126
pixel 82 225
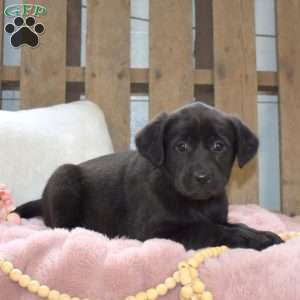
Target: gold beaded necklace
pixel 186 275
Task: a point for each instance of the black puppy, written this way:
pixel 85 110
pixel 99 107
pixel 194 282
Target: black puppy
pixel 172 187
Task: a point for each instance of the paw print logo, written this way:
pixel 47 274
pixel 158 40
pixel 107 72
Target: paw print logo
pixel 25 32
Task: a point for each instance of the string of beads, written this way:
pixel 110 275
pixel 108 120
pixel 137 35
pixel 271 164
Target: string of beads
pixel 192 288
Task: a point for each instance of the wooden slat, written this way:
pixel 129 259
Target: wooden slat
pixel 139 75
pixel 107 72
pixel 75 74
pixel 267 81
pixel 1 49
pixel 288 26
pixel 235 80
pixel 203 77
pixel 43 69
pixel 171 69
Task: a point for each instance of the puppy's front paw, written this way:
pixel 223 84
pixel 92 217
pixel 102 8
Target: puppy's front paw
pixel 246 237
pixel 265 239
pixel 259 240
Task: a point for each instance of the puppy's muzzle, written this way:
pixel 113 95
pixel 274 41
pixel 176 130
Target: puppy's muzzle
pixel 202 177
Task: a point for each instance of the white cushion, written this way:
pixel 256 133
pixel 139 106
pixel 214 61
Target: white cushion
pixel 34 142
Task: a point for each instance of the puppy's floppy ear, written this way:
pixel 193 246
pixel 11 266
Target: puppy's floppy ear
pixel 246 142
pixel 150 140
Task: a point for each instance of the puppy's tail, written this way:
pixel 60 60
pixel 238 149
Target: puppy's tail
pixel 30 209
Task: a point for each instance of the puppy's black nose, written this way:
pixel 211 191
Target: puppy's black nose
pixel 202 177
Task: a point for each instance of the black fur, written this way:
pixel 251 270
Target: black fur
pixel 172 187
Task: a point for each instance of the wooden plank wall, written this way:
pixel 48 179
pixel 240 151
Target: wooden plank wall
pixel 235 79
pixel 288 30
pixel 43 69
pixel 107 70
pixel 171 64
pixel 171 76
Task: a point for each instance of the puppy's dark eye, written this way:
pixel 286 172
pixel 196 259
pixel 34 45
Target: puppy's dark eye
pixel 182 147
pixel 218 146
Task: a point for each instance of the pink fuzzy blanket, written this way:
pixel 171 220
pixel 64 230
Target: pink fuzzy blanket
pixel 87 264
